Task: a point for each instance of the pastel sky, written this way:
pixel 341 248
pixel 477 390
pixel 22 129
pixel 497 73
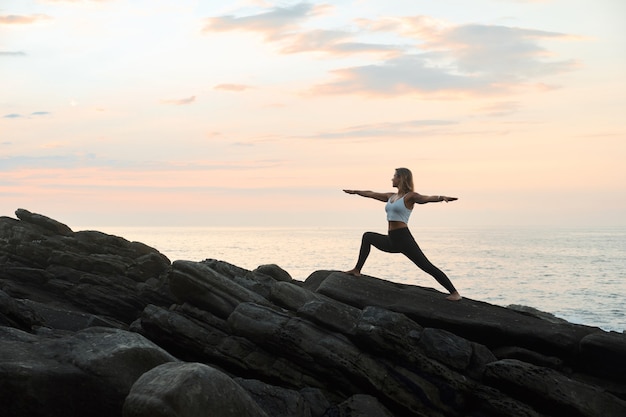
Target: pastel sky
pixel 208 113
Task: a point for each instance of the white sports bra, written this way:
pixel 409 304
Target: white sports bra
pixel 397 211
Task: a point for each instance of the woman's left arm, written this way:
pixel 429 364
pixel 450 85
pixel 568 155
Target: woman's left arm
pixel 423 199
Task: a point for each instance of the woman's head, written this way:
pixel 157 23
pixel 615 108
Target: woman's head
pixel 403 179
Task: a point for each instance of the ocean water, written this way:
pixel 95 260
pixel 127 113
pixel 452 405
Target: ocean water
pixel 578 274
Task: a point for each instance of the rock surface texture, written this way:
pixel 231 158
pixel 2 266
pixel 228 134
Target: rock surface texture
pixel 92 324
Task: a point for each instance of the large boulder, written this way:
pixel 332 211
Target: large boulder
pixel 551 392
pixel 189 390
pixel 203 286
pixel 86 373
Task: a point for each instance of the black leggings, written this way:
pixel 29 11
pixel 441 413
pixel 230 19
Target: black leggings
pixel 401 241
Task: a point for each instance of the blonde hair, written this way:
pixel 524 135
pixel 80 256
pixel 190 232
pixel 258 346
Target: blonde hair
pixel 406 180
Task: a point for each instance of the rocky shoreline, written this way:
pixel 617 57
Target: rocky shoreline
pixel 92 324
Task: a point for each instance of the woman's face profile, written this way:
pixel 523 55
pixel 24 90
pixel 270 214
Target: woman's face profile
pixel 395 180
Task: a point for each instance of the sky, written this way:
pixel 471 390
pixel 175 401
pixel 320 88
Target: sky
pixel 259 113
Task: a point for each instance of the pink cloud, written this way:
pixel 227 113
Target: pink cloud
pixel 22 20
pixel 232 87
pixel 180 102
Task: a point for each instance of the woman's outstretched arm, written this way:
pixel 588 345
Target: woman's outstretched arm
pixel 423 199
pixel 370 194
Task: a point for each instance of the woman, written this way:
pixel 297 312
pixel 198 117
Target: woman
pixel 399 240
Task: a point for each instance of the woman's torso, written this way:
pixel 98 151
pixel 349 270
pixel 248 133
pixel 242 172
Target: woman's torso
pixel 397 212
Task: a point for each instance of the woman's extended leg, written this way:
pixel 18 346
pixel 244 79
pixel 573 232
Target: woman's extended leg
pixel 409 247
pixel 379 241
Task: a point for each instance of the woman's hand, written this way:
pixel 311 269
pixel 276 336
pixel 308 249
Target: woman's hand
pixel 446 199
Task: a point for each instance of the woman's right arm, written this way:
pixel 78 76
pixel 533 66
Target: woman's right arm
pixel 371 194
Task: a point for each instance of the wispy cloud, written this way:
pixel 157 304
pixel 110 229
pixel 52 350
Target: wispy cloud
pixel 232 87
pixel 13 19
pixel 504 108
pixel 402 75
pixel 91 160
pixel 457 59
pixel 408 128
pixel 431 56
pixel 76 1
pixel 282 25
pixel 12 53
pixel 19 116
pixel 180 102
pixel 273 23
pixel 334 42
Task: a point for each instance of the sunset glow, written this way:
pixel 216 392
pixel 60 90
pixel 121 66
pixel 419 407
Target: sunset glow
pixel 122 112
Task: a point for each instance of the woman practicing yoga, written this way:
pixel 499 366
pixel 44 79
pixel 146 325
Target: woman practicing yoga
pixel 399 240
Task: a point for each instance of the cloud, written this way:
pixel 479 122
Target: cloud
pixel 335 42
pixel 273 23
pixel 282 25
pixel 455 59
pixel 76 1
pixel 509 52
pixel 409 128
pixel 232 87
pixel 67 162
pixel 431 56
pixel 12 53
pixel 402 75
pixel 504 108
pixel 180 102
pixel 44 162
pixel 22 20
pixel 20 116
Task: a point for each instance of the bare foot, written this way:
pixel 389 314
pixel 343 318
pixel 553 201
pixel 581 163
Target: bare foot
pixel 455 296
pixel 353 272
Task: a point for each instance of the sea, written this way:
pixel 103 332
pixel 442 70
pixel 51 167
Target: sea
pixel 577 274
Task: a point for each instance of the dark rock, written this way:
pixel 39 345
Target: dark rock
pixel 334 357
pixel 480 322
pixel 87 271
pixel 533 312
pixel 333 315
pixel 515 352
pixel 188 390
pixel 487 401
pixel 208 339
pixel 359 405
pixel 62 319
pixel 276 401
pixel 43 221
pixel 447 348
pixel 604 354
pixel 316 400
pixel 275 272
pixel 17 313
pixel 259 342
pixel 200 285
pixel 551 392
pixel 69 374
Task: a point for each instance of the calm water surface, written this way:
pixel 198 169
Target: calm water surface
pixel 576 274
